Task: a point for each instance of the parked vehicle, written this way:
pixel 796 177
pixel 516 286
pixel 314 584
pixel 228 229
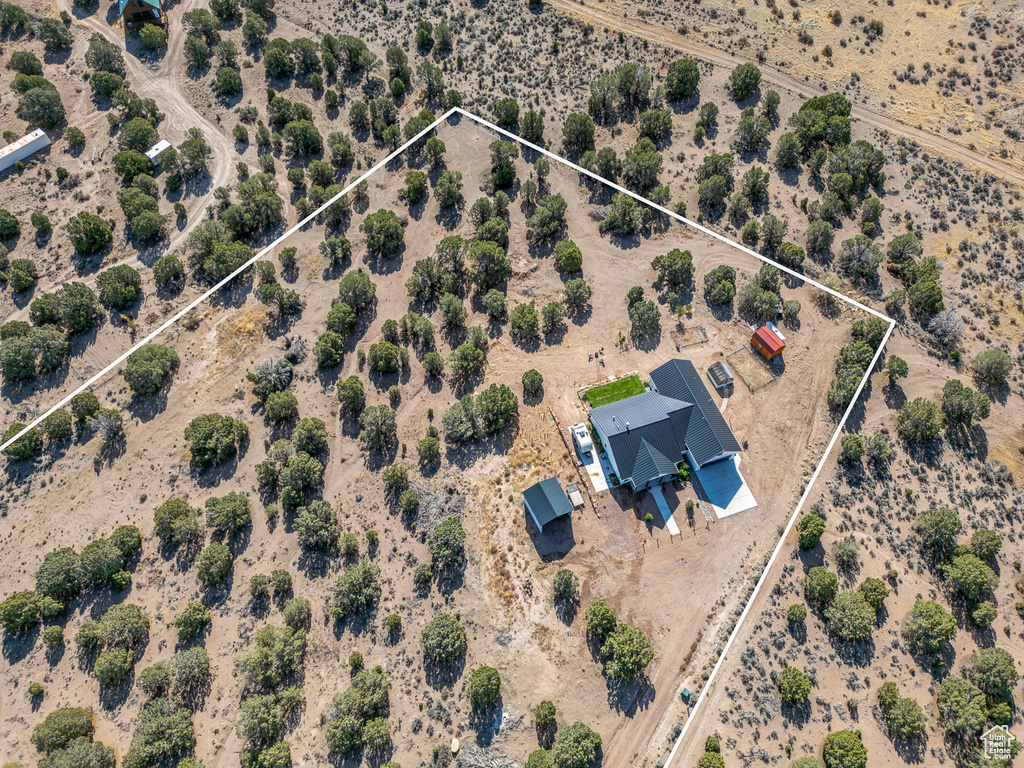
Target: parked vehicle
pixel 581 436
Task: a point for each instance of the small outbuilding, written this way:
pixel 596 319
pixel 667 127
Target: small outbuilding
pixel 137 13
pixel 720 375
pixel 768 341
pixel 24 147
pixel 575 495
pixel 546 501
pixel 154 152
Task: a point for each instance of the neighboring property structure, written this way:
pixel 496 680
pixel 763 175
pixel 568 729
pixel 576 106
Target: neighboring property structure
pixel 546 501
pixel 720 375
pixel 24 147
pixel 136 13
pixel 769 341
pixel 154 152
pixel 647 436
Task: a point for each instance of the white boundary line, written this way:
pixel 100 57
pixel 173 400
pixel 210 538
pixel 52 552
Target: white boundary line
pixel 184 311
pixel 715 235
pixel 674 215
pixel 810 485
pixel 778 548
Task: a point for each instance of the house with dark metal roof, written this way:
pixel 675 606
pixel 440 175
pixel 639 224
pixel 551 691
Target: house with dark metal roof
pixel 647 436
pixel 546 501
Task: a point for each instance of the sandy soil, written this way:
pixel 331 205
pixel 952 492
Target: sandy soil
pixel 672 588
pixel 966 217
pixel 190 100
pixel 907 81
pixel 878 506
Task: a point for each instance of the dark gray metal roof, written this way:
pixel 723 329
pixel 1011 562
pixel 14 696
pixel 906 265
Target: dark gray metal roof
pixel 708 434
pixel 651 464
pixel 651 417
pixel 547 501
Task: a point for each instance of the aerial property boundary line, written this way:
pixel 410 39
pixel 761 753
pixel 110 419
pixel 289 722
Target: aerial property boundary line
pixel 671 214
pixel 454 110
pixel 196 302
pixel 817 471
pixel 821 464
pixel 778 547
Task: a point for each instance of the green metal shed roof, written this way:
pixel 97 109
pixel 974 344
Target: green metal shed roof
pixel 547 501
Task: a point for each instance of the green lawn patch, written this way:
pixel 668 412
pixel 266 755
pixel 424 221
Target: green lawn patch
pixel 614 391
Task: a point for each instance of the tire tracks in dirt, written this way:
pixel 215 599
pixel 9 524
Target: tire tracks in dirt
pixel 780 79
pixel 165 84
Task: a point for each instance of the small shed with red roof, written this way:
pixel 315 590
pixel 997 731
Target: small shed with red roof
pixel 768 342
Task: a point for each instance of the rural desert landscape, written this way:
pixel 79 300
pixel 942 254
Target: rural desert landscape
pixel 504 384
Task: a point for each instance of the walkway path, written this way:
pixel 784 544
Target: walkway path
pixel 666 513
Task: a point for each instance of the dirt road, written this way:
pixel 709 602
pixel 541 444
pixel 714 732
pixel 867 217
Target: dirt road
pixel 780 79
pixel 164 83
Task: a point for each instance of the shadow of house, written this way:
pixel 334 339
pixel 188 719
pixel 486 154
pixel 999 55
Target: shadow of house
pixel 648 503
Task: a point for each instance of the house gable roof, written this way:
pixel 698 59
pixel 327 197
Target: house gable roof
pixel 547 501
pixel 652 418
pixel 720 374
pixel 708 434
pixel 769 340
pixel 651 464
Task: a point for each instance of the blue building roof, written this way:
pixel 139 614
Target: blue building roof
pixel 660 422
pixel 651 464
pixel 649 434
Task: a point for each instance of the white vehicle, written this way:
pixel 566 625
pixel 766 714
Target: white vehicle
pixel 581 436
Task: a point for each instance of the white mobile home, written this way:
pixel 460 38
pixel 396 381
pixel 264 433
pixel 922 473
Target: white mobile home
pixel 154 152
pixel 24 147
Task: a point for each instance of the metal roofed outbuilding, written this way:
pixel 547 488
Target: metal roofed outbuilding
pixel 720 375
pixel 546 501
pixel 24 147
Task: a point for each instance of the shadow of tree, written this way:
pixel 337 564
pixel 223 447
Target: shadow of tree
pixel 440 675
pixel 629 697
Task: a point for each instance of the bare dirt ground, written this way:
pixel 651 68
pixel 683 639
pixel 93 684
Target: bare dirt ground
pixel 961 201
pixel 553 82
pixel 895 86
pixel 161 79
pixel 878 506
pixel 674 589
